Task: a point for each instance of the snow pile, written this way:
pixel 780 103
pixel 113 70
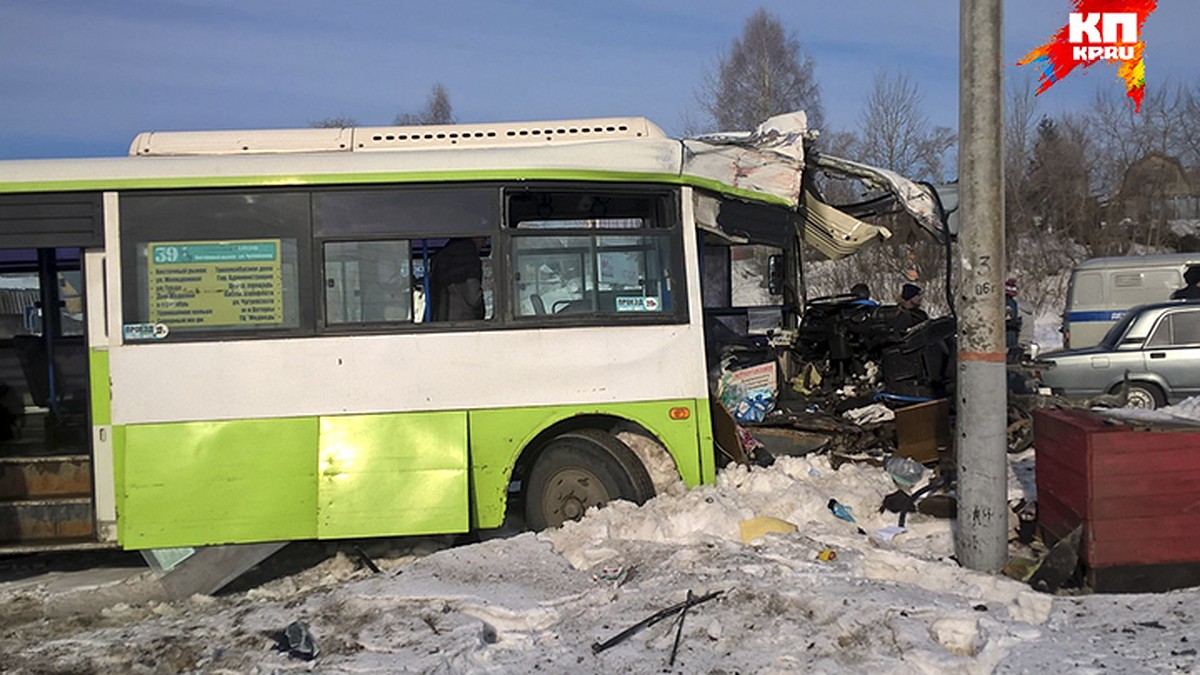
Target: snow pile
pixel 1185 412
pixel 796 490
pixel 1184 227
pixel 539 602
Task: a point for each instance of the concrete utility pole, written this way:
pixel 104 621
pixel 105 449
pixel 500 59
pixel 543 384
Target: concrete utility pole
pixel 981 437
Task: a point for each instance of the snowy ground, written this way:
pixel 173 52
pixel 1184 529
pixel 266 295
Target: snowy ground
pixel 536 603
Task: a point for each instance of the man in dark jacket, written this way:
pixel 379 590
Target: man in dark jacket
pixel 862 295
pixel 1191 291
pixel 1012 322
pixel 456 281
pixel 910 313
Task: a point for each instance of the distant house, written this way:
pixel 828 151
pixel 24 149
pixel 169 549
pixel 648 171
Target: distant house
pixel 1157 188
pixel 1161 198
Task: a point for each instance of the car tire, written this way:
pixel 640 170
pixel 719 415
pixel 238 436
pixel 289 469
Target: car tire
pixel 1144 395
pixel 579 470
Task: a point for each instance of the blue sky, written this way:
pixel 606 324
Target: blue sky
pixel 81 78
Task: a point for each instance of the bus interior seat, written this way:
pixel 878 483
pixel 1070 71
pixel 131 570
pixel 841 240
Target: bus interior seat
pixel 539 305
pixel 570 307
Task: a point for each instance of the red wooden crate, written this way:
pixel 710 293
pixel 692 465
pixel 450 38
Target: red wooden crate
pixel 1135 490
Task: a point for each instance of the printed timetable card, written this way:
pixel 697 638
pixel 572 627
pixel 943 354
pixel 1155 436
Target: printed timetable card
pixel 215 284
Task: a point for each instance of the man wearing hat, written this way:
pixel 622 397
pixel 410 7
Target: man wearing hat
pixel 910 313
pixel 1191 290
pixel 1012 321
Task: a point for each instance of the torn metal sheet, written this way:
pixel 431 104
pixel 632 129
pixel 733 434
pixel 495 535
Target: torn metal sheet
pixel 771 161
pixel 834 233
pixel 744 168
pixel 768 160
pixel 919 201
pixel 782 134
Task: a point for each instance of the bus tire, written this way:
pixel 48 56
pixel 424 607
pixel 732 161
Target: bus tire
pixel 578 470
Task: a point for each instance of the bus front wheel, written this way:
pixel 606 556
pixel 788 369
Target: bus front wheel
pixel 579 470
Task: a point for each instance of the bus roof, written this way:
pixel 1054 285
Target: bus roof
pixel 629 149
pixel 765 165
pixel 392 139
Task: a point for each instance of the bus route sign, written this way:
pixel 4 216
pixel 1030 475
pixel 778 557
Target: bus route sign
pixel 215 284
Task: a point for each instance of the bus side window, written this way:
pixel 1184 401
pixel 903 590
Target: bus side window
pixel 207 264
pixel 367 282
pixel 750 278
pixel 601 254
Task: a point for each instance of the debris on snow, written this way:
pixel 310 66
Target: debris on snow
pixel 756 528
pixel 529 602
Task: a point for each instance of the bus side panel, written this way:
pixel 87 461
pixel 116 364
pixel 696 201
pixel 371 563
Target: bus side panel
pixel 704 435
pixel 200 483
pixel 498 436
pixel 98 372
pixel 118 464
pixel 388 475
pixel 103 459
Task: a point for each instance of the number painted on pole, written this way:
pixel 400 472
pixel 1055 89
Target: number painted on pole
pixel 983 289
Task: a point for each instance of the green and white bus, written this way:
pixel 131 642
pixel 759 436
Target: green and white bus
pixel 233 337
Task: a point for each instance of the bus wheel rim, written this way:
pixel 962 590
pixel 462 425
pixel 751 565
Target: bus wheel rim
pixel 571 492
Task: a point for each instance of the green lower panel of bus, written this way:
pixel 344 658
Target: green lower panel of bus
pixel 238 481
pixel 389 475
pixel 217 482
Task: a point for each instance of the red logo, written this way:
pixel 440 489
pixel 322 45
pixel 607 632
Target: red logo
pixel 1098 30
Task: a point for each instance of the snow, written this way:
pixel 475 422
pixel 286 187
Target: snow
pixel 1047 330
pixel 537 602
pixel 1186 412
pixel 1184 227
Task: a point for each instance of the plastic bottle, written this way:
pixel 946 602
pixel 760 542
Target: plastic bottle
pixel 903 470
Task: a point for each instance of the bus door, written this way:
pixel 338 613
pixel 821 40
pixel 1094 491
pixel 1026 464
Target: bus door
pixel 46 493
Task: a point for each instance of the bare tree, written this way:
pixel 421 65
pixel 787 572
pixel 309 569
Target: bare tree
pixel 764 73
pixel 1123 136
pixel 896 133
pixel 1189 137
pixel 1020 112
pixel 1060 181
pixel 1037 254
pixel 835 189
pixel 437 110
pixel 337 122
pixel 1020 126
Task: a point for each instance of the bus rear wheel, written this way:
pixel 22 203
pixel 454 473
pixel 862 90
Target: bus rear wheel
pixel 579 470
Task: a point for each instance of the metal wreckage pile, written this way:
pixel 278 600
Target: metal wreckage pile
pixel 851 381
pixel 854 379
pixel 834 384
pixel 867 383
pixel 831 383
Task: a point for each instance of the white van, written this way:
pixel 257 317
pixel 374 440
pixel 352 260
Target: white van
pixel 1102 289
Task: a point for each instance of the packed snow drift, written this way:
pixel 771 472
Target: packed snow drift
pixel 830 596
